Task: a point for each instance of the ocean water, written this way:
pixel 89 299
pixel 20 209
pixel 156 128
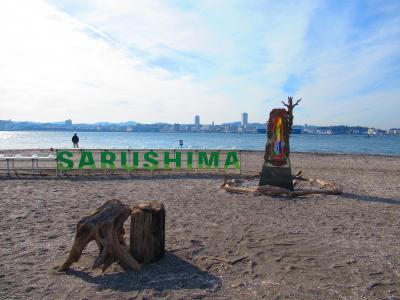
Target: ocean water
pixel 383 145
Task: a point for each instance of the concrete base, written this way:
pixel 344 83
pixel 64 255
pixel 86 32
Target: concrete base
pixel 277 176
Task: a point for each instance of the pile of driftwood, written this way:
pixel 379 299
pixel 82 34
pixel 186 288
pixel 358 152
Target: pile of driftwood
pixel 105 226
pixel 234 186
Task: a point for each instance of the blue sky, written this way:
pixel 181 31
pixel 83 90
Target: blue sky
pixel 150 61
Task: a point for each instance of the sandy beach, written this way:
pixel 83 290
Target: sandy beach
pixel 316 247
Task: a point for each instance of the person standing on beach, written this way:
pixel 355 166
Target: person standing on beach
pixel 75 141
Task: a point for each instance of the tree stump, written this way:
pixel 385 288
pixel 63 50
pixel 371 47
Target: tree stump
pixel 147 241
pixel 105 226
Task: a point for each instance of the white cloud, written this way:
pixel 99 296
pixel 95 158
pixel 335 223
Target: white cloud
pixel 354 74
pixel 149 61
pixel 52 70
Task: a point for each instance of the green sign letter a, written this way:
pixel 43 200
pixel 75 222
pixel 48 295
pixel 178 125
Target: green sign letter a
pixel 107 161
pixel 89 162
pixel 232 159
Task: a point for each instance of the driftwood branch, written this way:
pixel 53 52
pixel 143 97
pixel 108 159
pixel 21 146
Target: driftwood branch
pixel 232 187
pixel 298 174
pixel 270 190
pixel 229 261
pixel 105 226
pixel 276 191
pixel 238 190
pixel 289 107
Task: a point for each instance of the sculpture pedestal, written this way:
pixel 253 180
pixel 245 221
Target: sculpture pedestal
pixel 277 176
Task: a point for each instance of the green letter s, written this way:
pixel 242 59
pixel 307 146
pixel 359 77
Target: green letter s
pixel 62 159
pixel 153 163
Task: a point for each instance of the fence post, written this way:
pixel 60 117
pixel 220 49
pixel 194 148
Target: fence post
pixel 219 168
pixel 56 162
pixel 174 161
pixel 196 161
pixel 151 170
pixel 240 162
pixel 8 167
pixel 105 169
pixel 129 160
pixel 33 167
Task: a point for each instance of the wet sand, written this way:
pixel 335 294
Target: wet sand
pixel 316 247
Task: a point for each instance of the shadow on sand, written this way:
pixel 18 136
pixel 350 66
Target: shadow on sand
pixel 367 198
pixel 169 273
pixel 121 177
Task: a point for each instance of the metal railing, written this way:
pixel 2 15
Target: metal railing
pixel 26 163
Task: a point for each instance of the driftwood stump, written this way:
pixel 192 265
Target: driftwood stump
pixel 147 243
pixel 105 226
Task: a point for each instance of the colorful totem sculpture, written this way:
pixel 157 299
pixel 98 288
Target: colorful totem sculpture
pixel 276 170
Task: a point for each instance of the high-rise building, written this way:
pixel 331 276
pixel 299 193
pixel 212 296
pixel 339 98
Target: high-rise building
pixel 245 119
pixel 197 121
pixel 68 123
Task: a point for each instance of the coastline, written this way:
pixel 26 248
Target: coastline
pixel 386 145
pixel 44 151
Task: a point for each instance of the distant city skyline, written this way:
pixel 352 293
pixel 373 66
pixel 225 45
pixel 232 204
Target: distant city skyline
pixel 166 61
pixel 242 126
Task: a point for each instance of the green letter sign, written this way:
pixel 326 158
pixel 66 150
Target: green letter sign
pixel 124 164
pixel 203 160
pixel 168 160
pixel 130 160
pixel 153 163
pixel 89 162
pixel 232 159
pixel 62 159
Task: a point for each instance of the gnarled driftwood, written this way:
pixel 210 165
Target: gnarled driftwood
pixel 269 190
pixel 290 106
pixel 105 226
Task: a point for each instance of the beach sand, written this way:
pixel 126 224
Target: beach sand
pixel 316 247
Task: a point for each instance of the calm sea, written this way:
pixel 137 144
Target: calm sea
pixel 384 145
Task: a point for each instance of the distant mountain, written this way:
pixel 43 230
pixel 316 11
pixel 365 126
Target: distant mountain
pixel 159 123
